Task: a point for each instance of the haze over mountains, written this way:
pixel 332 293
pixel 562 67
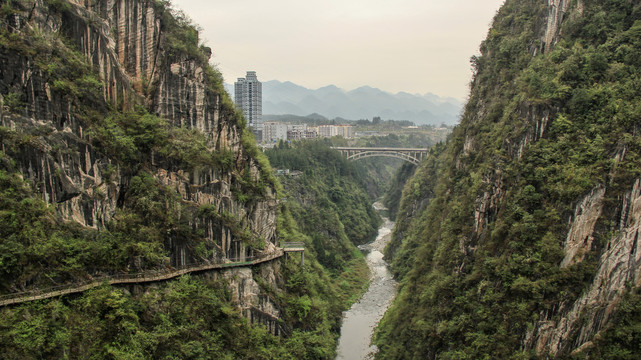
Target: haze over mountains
pixel 280 98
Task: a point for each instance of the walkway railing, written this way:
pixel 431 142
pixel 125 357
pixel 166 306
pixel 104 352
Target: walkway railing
pixel 293 246
pixel 137 278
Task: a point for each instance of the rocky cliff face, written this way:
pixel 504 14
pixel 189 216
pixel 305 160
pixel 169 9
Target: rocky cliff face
pixel 128 45
pixel 521 214
pixel 576 323
pixel 125 57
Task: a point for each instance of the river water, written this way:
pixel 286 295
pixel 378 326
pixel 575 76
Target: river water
pixel 361 319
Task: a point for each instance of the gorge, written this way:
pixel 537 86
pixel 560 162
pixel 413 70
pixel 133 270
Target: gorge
pixel 362 318
pixel 121 154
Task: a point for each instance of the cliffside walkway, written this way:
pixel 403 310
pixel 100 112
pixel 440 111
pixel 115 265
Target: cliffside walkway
pixel 138 278
pixel 295 247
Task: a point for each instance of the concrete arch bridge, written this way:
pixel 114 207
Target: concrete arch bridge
pixel 413 155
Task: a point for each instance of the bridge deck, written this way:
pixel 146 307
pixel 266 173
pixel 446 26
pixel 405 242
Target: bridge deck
pixel 379 149
pixel 413 155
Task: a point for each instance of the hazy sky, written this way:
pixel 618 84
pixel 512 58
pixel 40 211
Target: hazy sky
pixel 417 46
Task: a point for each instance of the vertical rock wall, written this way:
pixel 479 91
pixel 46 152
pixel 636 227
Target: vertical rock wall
pixel 620 264
pixel 556 12
pixel 592 219
pixel 124 43
pixel 572 325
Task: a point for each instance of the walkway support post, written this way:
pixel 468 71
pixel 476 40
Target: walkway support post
pixel 295 247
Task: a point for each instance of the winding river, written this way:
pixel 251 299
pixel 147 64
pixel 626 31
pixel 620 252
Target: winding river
pixel 361 319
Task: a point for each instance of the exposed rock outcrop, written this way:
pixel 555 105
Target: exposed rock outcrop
pixel 580 236
pixel 556 12
pixel 125 43
pixel 257 306
pixel 619 265
pixel 530 239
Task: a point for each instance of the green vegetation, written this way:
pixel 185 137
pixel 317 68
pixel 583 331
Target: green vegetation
pixel 38 250
pixel 327 208
pixel 132 137
pixel 132 141
pixel 334 187
pixel 191 317
pixel 315 297
pixel 621 340
pixel 55 58
pixel 538 134
pixel 392 198
pixel 184 319
pixel 418 138
pixel 378 122
pixel 12 102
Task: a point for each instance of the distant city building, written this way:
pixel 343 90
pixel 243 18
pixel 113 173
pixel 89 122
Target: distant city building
pixel 297 132
pixel 346 131
pixel 274 131
pixel 311 133
pixel 325 131
pixel 248 95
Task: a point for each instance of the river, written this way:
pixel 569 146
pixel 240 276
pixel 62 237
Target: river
pixel 361 319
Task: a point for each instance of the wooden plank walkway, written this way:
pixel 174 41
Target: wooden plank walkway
pixel 144 277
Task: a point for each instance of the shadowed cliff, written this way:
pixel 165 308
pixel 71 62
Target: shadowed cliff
pixel 518 238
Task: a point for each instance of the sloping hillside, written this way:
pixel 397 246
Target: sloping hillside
pixel 518 238
pixel 121 156
pixel 113 114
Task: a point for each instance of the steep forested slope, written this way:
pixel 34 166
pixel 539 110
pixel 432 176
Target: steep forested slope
pixel 115 120
pixel 325 195
pixel 519 237
pixel 392 198
pixel 121 154
pixel 328 199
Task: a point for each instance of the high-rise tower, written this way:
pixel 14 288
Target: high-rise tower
pixel 249 98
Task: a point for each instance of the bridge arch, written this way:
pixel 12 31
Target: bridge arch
pixel 397 155
pixel 412 155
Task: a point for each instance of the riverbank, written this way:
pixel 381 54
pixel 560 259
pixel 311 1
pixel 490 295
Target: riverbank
pixel 361 319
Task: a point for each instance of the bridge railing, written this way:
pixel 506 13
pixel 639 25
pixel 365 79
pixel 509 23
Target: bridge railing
pixel 413 155
pixel 349 148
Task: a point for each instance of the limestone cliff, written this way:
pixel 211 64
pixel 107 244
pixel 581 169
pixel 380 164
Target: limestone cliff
pixel 131 55
pixel 519 237
pixel 66 65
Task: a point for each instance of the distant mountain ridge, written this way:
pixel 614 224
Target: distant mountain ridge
pixel 280 98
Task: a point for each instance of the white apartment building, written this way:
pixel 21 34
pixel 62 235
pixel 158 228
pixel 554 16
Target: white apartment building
pixel 346 131
pixel 274 131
